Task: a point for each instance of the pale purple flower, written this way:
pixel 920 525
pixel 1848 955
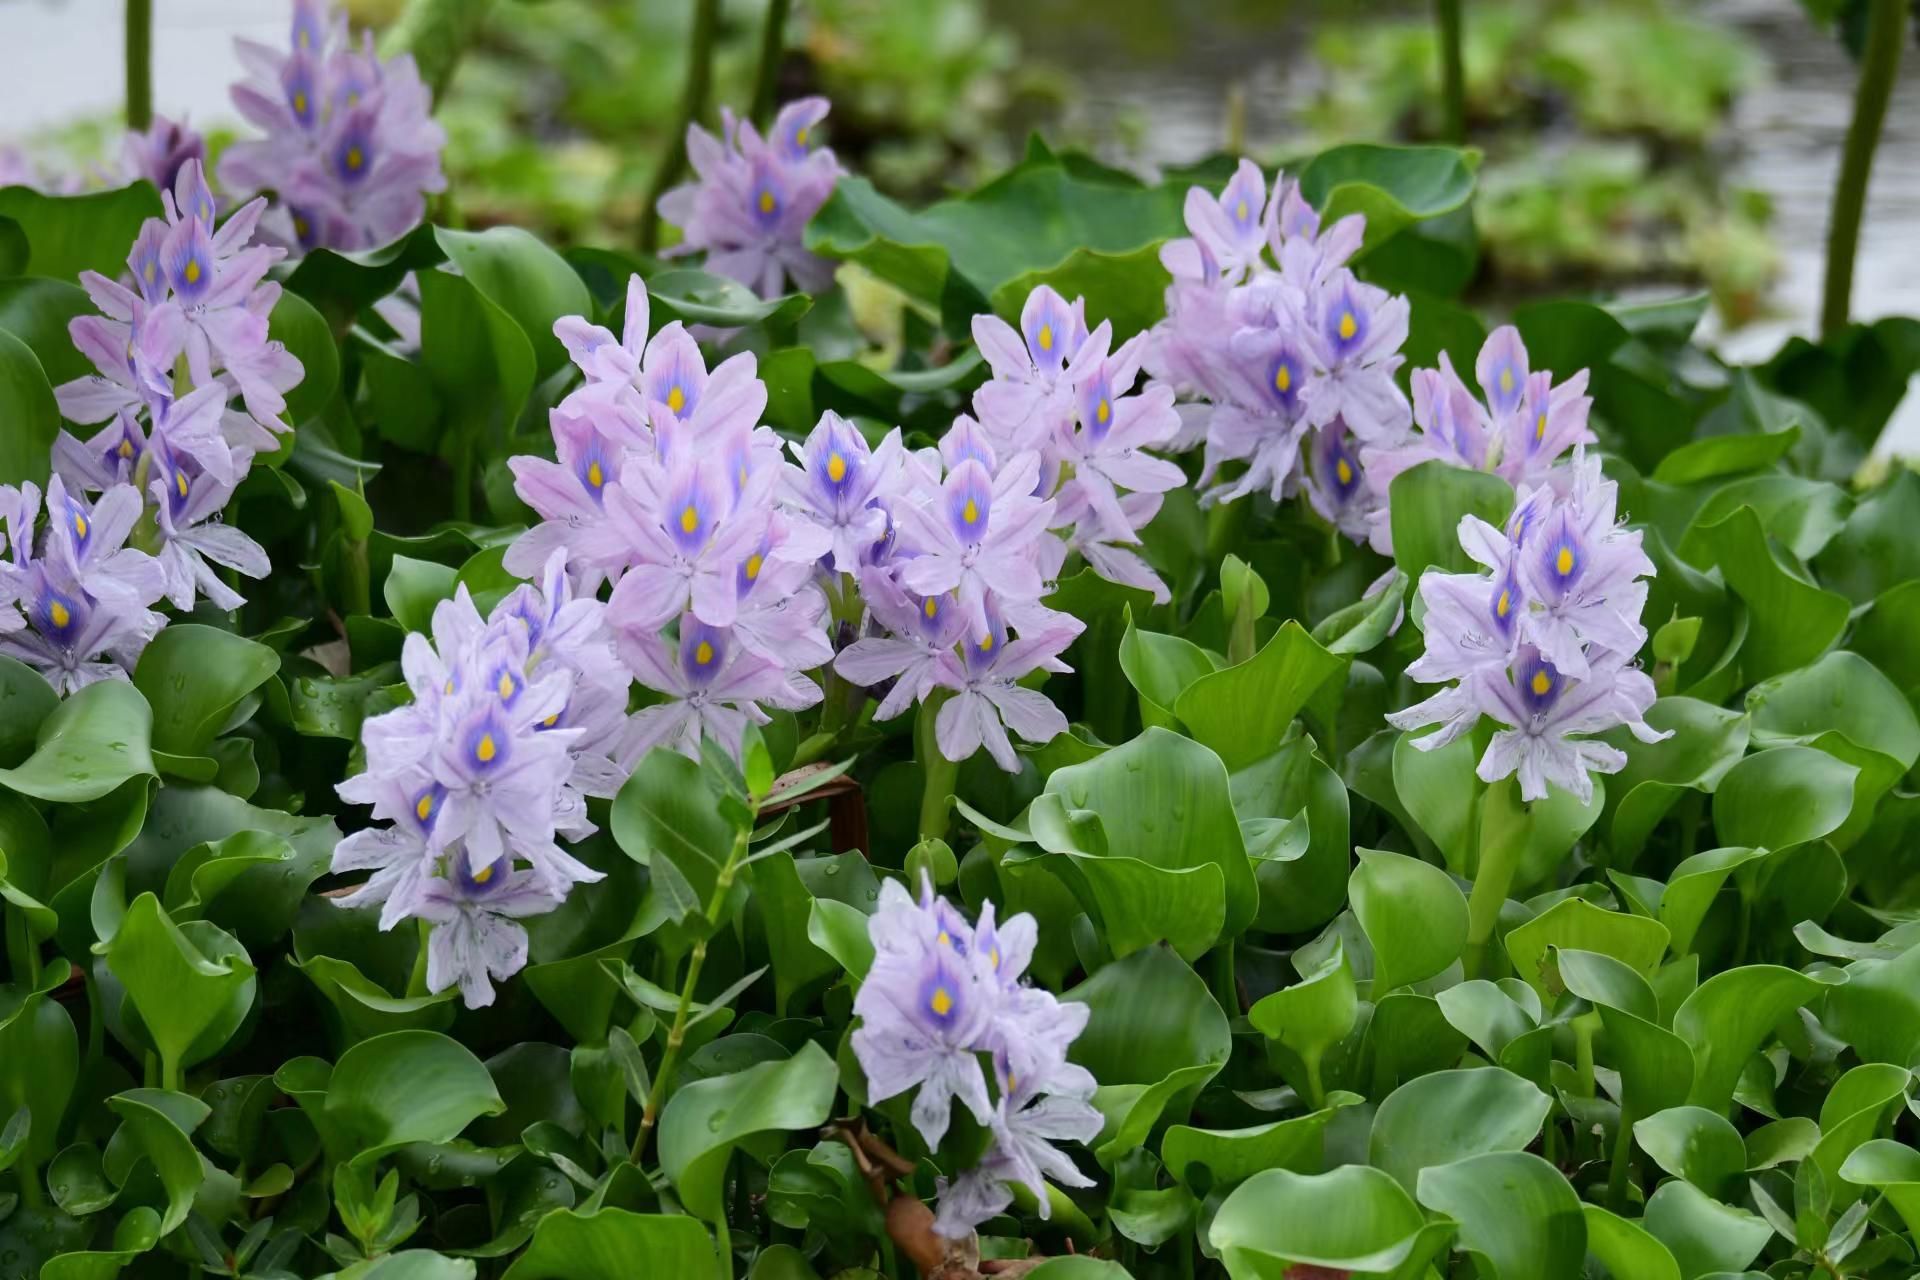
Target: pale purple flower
pixel 570 495
pixel 109 457
pixel 1108 549
pixel 1115 427
pixel 1025 1128
pixel 1353 333
pixel 476 936
pixel 987 700
pixel 1336 482
pixel 1233 226
pixel 187 505
pixel 752 198
pixel 686 536
pixel 713 686
pixel 976 533
pixel 397 854
pixel 1583 577
pixel 1029 399
pixel 158 152
pixel 1306 256
pixel 780 611
pixel 923 632
pixel 1546 710
pixel 1261 416
pixel 840 487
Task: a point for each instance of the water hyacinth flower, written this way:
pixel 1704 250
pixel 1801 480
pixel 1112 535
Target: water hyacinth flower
pixel 840 484
pixel 987 701
pixel 1563 572
pixel 1114 427
pixel 941 994
pixel 476 935
pixel 1029 399
pixel 157 152
pixel 713 685
pixel 351 148
pixel 752 197
pixel 976 532
pixel 1354 333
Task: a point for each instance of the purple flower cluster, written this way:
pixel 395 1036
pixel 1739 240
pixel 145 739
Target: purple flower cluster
pixel 666 485
pixel 1522 428
pixel 155 154
pixel 1280 345
pixel 171 354
pixel 752 198
pixel 1544 640
pixel 515 720
pixel 939 995
pixel 351 149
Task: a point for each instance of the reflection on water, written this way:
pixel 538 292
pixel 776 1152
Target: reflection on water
pixel 1156 81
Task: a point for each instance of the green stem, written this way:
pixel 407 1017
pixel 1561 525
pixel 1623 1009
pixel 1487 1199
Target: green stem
pixel 1622 1159
pixel 766 82
pixel 1316 1091
pixel 170 1074
pixel 139 63
pixel 417 981
pixel 28 1174
pixel 1879 63
pixel 940 772
pixel 677 1034
pixel 23 953
pixel 1502 830
pixel 1583 1029
pixel 693 105
pixel 1453 74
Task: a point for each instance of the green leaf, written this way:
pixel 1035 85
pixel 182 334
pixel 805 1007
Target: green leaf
pixel 1781 797
pixel 706 1119
pixel 1205 1160
pixel 1394 187
pixel 1577 924
pixel 1154 1036
pixel 1691 888
pixel 1893 1169
pixel 1704 1234
pixel 94 741
pixel 1519 1217
pixel 697 297
pixel 1414 915
pixel 525 279
pixel 1625 1247
pixel 1877 1010
pixel 160 1123
pixel 1295 787
pixel 1655 1065
pixel 1790 620
pixel 1426 503
pixel 1728 1017
pixel 306 335
pixel 29 701
pixel 1450 1115
pixel 193 676
pixel 1313 1014
pixel 1854 1111
pixel 1706 741
pixel 1242 712
pixel 614 1244
pixel 191 987
pixel 402 1087
pixel 67 235
pixel 1717 456
pixel 1875 552
pixel 135 1234
pixel 1696 1144
pixel 27 407
pixel 39 1063
pixel 414 587
pixel 841 932
pixel 1351 1219
pixel 1160 667
pixel 666 817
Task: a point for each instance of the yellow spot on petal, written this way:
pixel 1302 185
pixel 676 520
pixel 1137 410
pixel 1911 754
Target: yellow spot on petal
pixel 180 482
pixel 1542 684
pixel 1344 470
pixel 944 938
pixel 486 751
pixel 1506 380
pixel 971 512
pixel 423 807
pixel 551 720
pixel 1348 326
pixel 126 448
pixel 449 685
pixel 1240 211
pixel 994 955
pixel 1563 563
pixel 689 519
pixel 300 104
pixel 483 875
pixel 800 136
pixel 353 97
pixel 703 653
pixel 355 159
pixel 932 606
pixel 1046 337
pixel 79 524
pixel 595 476
pixel 1540 428
pixel 59 613
pixel 505 686
pixel 676 399
pixel 192 272
pixel 986 643
pixel 1103 413
pixel 148 273
pixel 767 202
pixel 941 1003
pixel 753 566
pixel 1283 379
pixel 1504 605
pixel 836 468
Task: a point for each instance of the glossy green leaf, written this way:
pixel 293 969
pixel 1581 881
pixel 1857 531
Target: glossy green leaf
pixel 402 1087
pixel 1729 1016
pixel 1783 796
pixel 1626 1247
pixel 1450 1115
pixel 1312 1015
pixel 1395 187
pixel 193 676
pixel 191 985
pixel 666 818
pixel 1210 1159
pixel 1703 1234
pixel 706 1119
pixel 1353 1218
pixel 1519 1217
pixel 27 405
pixel 1427 502
pixel 94 741
pixel 1413 913
pixel 161 1123
pixel 1576 924
pixel 1696 1144
pixel 67 235
pixel 523 278
pixel 39 1063
pixel 1791 621
pixel 1243 711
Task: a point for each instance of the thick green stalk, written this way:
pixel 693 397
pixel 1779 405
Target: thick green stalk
pixel 766 82
pixel 693 105
pixel 1503 823
pixel 23 953
pixel 940 773
pixel 139 63
pixel 1453 74
pixel 1622 1161
pixel 677 1034
pixel 1879 63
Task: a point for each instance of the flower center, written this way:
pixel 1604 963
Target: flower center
pixel 192 273
pixel 485 751
pixel 836 468
pixel 941 1002
pixel 689 519
pixel 595 476
pixel 1046 337
pixel 1563 563
pixel 753 566
pixel 1542 684
pixel 1283 379
pixel 1344 470
pixel 1348 326
pixel 676 399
